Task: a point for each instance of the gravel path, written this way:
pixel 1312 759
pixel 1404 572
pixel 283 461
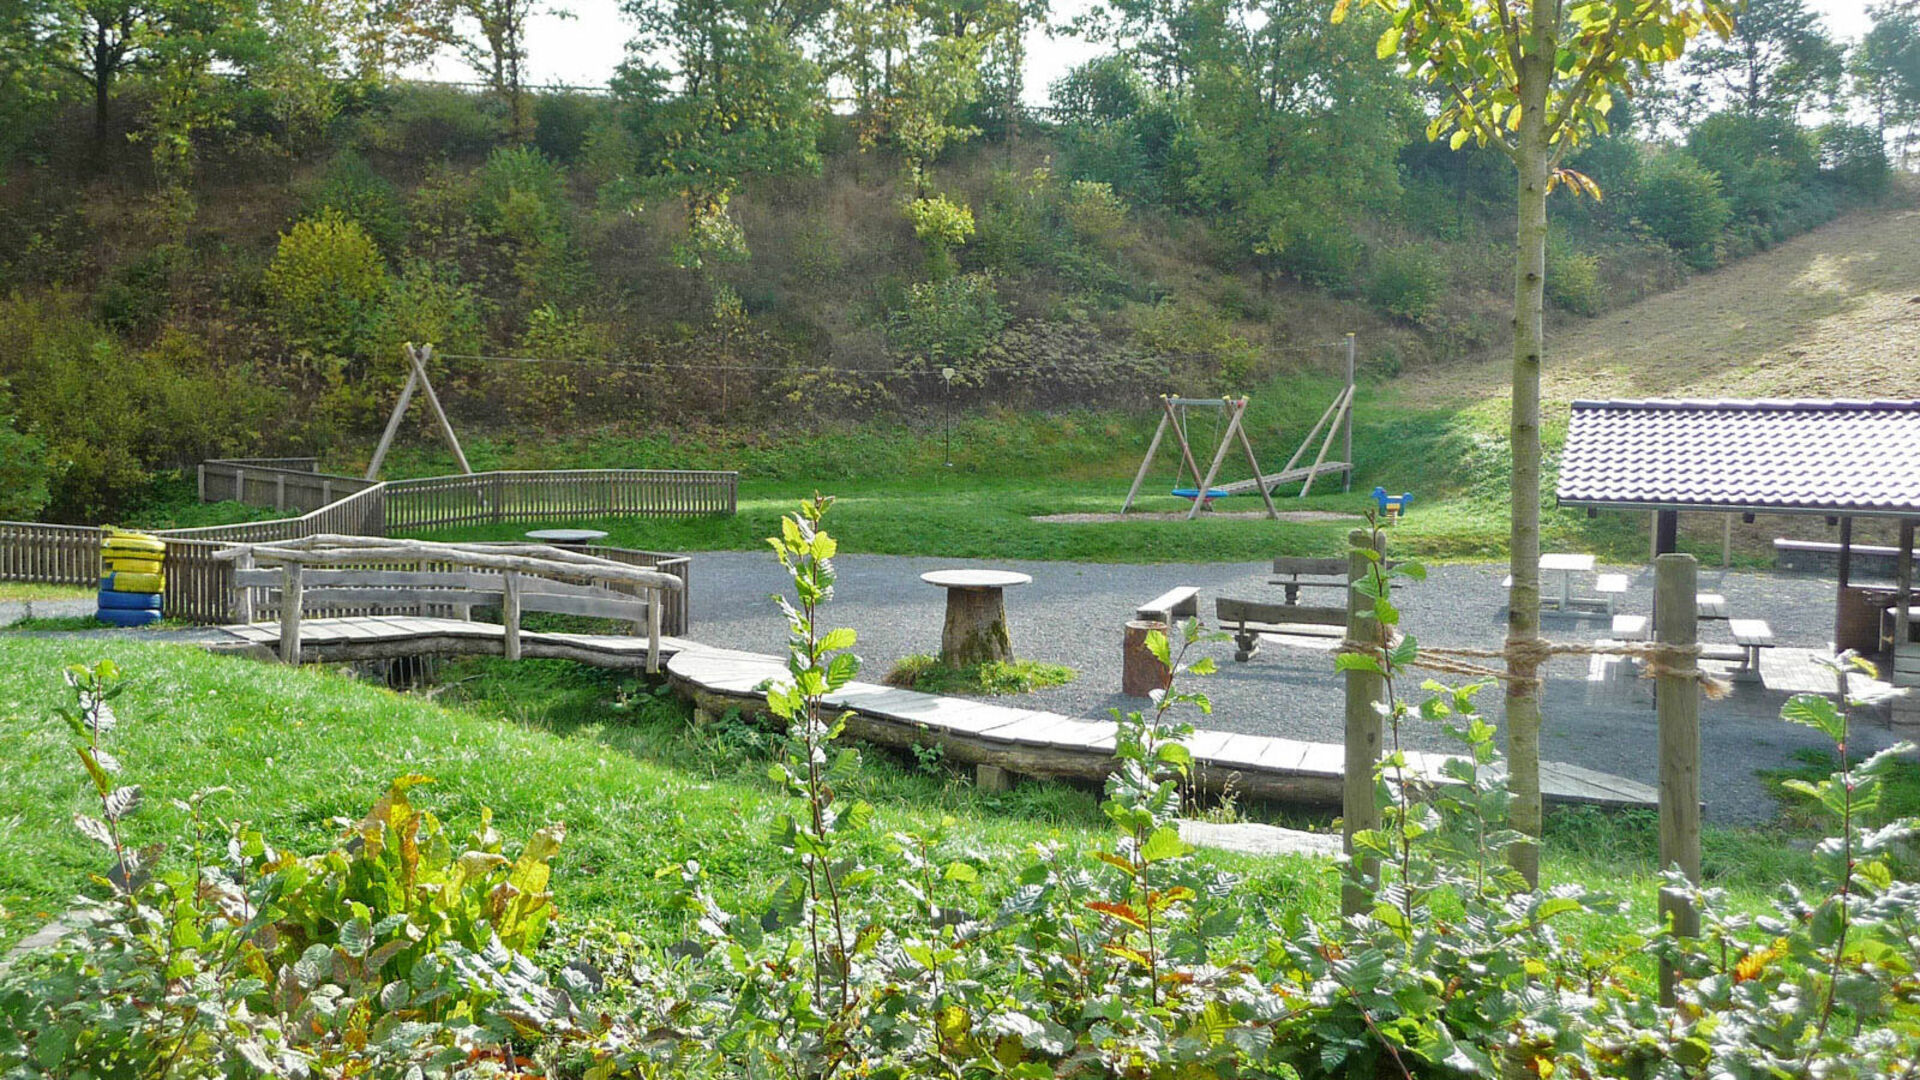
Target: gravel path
pixel 1072 614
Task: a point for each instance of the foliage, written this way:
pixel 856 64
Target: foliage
pixel 388 952
pixel 1405 282
pixel 1761 161
pixel 1573 279
pixel 1855 156
pixel 561 124
pixel 941 225
pixel 352 189
pixel 925 673
pixel 1680 202
pixel 23 470
pixel 325 285
pixel 946 323
pixel 1779 60
pixel 1196 336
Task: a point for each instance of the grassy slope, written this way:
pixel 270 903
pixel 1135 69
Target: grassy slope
pixel 639 789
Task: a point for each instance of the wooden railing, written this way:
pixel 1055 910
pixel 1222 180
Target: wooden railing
pixel 572 495
pixel 199 588
pixel 277 483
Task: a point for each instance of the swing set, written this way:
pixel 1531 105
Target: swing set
pixel 1337 417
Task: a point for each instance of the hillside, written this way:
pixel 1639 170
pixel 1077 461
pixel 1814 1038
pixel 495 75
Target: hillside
pixel 1832 313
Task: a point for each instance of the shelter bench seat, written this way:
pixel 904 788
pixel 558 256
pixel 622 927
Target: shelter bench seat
pixel 1630 627
pixel 1248 619
pixel 1611 587
pixel 1182 602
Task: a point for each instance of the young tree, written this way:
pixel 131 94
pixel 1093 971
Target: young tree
pixel 491 38
pixel 1778 59
pixel 1533 78
pixel 1886 74
pixel 101 42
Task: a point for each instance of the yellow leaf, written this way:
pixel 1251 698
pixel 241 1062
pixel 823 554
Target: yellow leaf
pixel 1459 139
pixel 1389 43
pixel 1340 12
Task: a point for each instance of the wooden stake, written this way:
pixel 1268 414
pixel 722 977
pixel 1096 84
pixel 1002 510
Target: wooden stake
pixel 393 422
pixel 290 613
pixel 1347 483
pixel 1677 699
pixel 1146 463
pixel 419 357
pixel 1220 455
pixel 510 614
pixel 1364 725
pixel 1346 399
pixel 1259 481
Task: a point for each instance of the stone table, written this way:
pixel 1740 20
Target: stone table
pixel 567 538
pixel 976 627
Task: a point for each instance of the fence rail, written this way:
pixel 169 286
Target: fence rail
pixel 276 483
pixel 200 588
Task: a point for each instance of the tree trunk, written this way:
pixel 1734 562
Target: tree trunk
pixel 1529 333
pixel 102 94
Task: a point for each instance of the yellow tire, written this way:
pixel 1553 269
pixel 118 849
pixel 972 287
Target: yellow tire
pixel 134 583
pixel 124 564
pixel 132 543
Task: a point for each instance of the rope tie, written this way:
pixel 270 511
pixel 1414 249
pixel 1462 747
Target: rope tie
pixel 1658 660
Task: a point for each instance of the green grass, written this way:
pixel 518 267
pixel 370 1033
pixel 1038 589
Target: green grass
pixel 898 496
pixel 64 624
pixel 28 591
pixel 640 787
pixel 996 678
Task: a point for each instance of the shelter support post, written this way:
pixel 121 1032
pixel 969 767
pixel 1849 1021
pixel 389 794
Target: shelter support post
pixel 1666 533
pixel 1903 614
pixel 1677 699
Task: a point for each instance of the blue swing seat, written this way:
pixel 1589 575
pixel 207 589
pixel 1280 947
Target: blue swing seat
pixel 1194 493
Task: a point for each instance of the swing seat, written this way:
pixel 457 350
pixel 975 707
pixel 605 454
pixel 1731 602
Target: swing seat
pixel 1194 493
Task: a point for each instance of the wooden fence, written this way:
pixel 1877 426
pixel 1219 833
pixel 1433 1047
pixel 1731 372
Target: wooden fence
pixel 278 483
pixel 199 587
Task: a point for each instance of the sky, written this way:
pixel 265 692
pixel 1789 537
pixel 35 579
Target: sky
pixel 584 50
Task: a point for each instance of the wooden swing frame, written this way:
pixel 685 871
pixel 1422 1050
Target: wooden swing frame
pixel 417 358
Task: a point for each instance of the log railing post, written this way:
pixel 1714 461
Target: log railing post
pixel 290 612
pixel 1358 812
pixel 243 594
pixel 655 596
pixel 510 612
pixel 1677 699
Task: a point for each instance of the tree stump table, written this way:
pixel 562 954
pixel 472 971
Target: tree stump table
pixel 976 627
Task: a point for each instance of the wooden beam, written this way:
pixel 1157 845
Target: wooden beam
pixel 419 358
pixel 1259 481
pixel 290 613
pixel 1347 483
pixel 1146 463
pixel 510 614
pixel 393 421
pixel 1346 399
pixel 1219 455
pixel 1364 726
pixel 1903 615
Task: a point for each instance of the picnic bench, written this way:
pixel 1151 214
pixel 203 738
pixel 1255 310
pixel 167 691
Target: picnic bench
pixel 1248 619
pixel 1751 635
pixel 1295 572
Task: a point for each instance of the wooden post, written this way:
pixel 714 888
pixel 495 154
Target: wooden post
pixel 290 612
pixel 1347 452
pixel 1677 698
pixel 1726 541
pixel 1141 672
pixel 244 601
pixel 1666 533
pixel 200 478
pixel 393 421
pixel 510 612
pixel 1363 723
pixel 1903 580
pixel 1346 406
pixel 280 491
pixel 1258 478
pixel 239 484
pixel 656 598
pixel 1220 456
pixel 419 358
pixel 1845 574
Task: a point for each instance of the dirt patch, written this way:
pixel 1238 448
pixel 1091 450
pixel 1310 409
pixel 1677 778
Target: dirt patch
pixel 1180 515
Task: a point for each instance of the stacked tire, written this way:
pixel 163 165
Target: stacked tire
pixel 133 580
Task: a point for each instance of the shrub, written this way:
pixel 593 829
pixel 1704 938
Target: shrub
pixel 400 951
pixel 1193 335
pixel 946 322
pixel 1322 252
pixel 941 225
pixel 1095 214
pixel 427 305
pixel 136 296
pixel 1405 282
pixel 24 476
pixel 1681 204
pixel 561 123
pixel 426 121
pixel 1761 160
pixel 1573 279
pixel 518 171
pixel 351 188
pixel 1017 225
pixel 325 284
pixel 1855 156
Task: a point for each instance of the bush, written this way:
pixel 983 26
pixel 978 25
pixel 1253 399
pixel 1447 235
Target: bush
pixel 1323 252
pixel 1195 341
pixel 1573 279
pixel 946 322
pixel 24 476
pixel 424 121
pixel 1855 156
pixel 351 188
pixel 1405 282
pixel 1018 221
pixel 427 305
pixel 325 284
pixel 1095 214
pixel 941 225
pixel 1762 161
pixel 404 949
pixel 1681 204
pixel 561 123
pixel 136 296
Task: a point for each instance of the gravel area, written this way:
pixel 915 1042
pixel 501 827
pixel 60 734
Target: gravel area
pixel 1072 614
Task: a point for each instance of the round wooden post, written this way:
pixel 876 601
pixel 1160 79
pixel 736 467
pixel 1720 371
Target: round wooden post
pixel 510 614
pixel 1677 699
pixel 1141 672
pixel 1358 812
pixel 290 612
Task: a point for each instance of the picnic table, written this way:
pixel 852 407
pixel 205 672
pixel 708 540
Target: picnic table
pixel 1566 564
pixel 567 537
pixel 976 626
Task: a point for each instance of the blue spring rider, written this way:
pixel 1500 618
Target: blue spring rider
pixel 1391 506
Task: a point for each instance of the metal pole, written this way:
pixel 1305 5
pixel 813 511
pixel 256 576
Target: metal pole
pixel 946 375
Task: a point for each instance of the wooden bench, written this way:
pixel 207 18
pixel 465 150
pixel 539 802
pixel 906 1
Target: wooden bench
pixel 1248 619
pixel 1630 627
pixel 1182 602
pixel 1751 635
pixel 1612 588
pixel 1295 573
pixel 1709 605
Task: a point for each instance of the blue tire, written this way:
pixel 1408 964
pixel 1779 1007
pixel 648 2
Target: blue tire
pixel 129 601
pixel 124 617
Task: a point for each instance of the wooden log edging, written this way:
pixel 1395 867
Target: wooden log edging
pixel 1049 745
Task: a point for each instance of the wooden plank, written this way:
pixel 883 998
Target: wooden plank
pixel 1301 564
pixel 1233 610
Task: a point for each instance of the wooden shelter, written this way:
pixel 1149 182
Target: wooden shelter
pixel 1839 459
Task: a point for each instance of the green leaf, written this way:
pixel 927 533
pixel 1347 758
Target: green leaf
pixel 1165 843
pixel 840 637
pixel 1157 645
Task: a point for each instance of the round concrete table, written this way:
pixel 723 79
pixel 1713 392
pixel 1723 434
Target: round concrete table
pixel 567 537
pixel 976 628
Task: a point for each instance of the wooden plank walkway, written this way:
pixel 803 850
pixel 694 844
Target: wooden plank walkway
pixel 1047 744
pixel 1028 741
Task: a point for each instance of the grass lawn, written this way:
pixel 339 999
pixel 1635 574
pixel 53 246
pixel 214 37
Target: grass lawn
pixel 639 787
pixel 15 591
